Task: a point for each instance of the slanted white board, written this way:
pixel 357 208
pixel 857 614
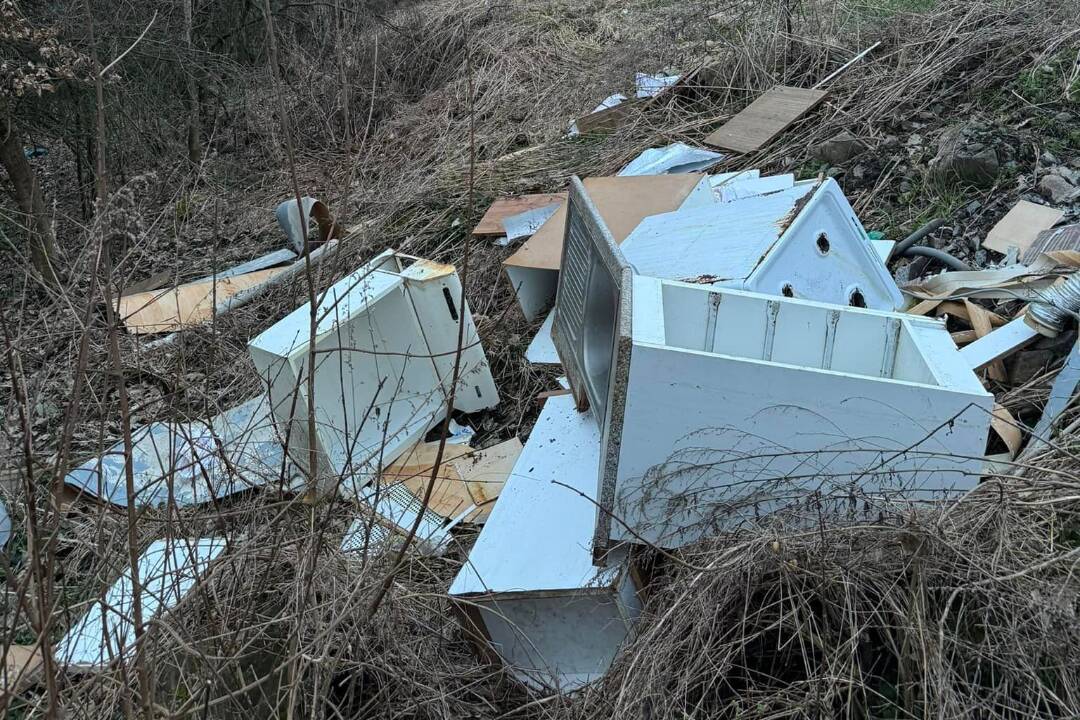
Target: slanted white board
pixel 739 188
pixel 1006 339
pixel 541 350
pixel 555 618
pixel 183 460
pixel 168 570
pixel 385 343
pixel 802 242
pixel 739 405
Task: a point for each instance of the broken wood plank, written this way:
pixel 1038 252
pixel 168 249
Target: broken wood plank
pixel 765 118
pixel 184 306
pixel 491 225
pixel 960 310
pixel 1020 226
pixel 1006 427
pixel 980 323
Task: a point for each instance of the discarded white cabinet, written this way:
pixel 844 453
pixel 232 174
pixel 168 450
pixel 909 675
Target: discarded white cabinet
pixel 719 406
pixel 740 187
pixel 385 345
pixel 803 242
pixel 736 405
pixel 168 570
pixel 529 591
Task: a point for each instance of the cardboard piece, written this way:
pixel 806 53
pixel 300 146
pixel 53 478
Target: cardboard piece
pixel 1006 427
pixel 173 309
pixel 765 118
pixel 22 664
pixel 491 225
pixel 623 201
pixel 466 476
pixel 1021 226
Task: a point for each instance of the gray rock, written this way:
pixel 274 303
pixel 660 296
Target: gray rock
pixel 1066 172
pixel 960 159
pixel 1048 158
pixel 1057 189
pixel 839 149
pixel 973 207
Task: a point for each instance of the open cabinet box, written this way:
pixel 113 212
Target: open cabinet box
pixel 719 406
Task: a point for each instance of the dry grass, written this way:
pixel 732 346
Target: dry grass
pixel 969 611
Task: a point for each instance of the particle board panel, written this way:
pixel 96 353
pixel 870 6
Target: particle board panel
pixel 491 225
pixel 623 201
pixel 765 118
pixel 172 309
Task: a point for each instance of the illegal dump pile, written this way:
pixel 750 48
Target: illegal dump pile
pixel 772 480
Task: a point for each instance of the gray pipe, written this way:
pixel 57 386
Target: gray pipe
pixel 939 255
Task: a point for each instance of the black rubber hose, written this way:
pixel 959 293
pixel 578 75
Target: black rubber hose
pixel 901 247
pixel 939 255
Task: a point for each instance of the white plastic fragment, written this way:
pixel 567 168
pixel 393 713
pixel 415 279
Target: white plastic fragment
pixel 648 86
pixel 524 224
pixel 529 584
pixel 671 159
pixel 541 350
pixel 168 570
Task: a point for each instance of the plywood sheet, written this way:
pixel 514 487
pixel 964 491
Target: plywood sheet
pixel 622 201
pixel 765 118
pixel 466 476
pixel 491 224
pixel 1021 226
pixel 172 309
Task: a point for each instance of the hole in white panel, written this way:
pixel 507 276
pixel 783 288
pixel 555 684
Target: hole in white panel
pixel 450 304
pixel 856 299
pixel 822 243
pixel 787 290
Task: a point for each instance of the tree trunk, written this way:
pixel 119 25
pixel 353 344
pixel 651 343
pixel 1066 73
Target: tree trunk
pixel 31 203
pixel 194 141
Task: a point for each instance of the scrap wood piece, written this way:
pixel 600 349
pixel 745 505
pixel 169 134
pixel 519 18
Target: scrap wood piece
pixel 467 477
pixel 923 307
pixel 491 225
pixel 168 570
pixel 979 317
pixel 1021 226
pixel 1006 427
pixel 184 306
pixel 964 312
pixel 621 200
pixel 22 665
pixel 1064 240
pixel 765 118
pixel 609 118
pixel 998 344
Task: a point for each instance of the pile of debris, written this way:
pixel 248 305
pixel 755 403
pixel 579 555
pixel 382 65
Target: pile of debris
pixel 735 350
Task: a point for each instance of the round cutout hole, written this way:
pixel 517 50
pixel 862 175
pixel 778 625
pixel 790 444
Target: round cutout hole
pixel 787 291
pixel 823 244
pixel 856 299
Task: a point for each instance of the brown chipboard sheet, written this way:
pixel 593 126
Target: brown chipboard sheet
pixel 491 225
pixel 1020 226
pixel 765 118
pixel 466 476
pixel 173 309
pixel 622 201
